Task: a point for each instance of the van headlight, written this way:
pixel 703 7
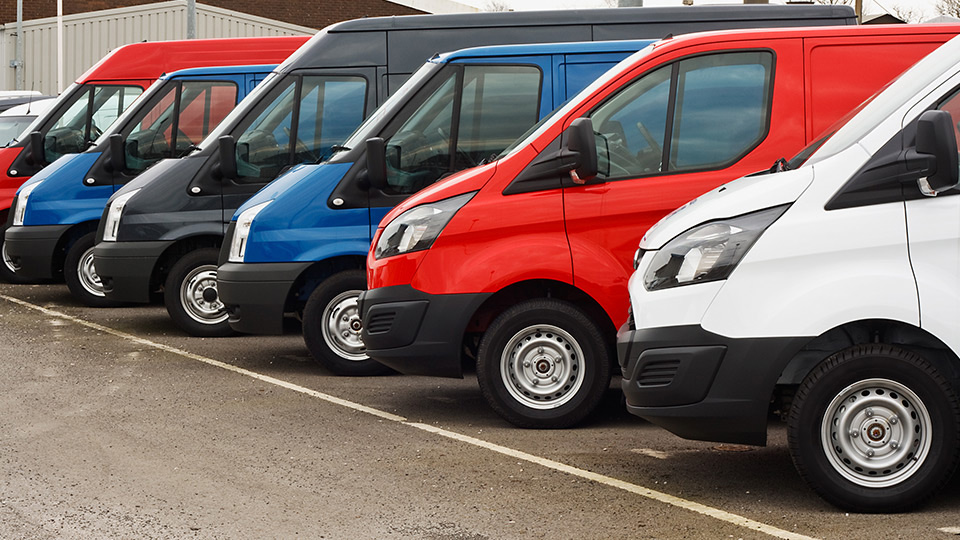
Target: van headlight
pixel 707 252
pixel 238 244
pixel 114 211
pixel 418 227
pixel 22 197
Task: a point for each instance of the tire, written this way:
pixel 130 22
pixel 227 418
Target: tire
pixel 849 419
pixel 190 294
pixel 543 364
pixel 81 276
pixel 331 326
pixel 7 273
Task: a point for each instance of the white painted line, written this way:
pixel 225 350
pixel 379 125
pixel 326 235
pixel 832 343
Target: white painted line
pixel 650 452
pixel 665 498
pixel 950 530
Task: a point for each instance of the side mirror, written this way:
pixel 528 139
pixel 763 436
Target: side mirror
pixel 376 162
pixel 36 148
pixel 118 160
pixel 228 156
pixel 937 145
pixel 580 142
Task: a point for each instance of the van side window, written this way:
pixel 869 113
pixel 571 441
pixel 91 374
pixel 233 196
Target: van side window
pixel 721 110
pixel 952 106
pixel 91 112
pixel 290 129
pixel 472 115
pixel 182 117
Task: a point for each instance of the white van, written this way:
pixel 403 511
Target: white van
pixel 828 289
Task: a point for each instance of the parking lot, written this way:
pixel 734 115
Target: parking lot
pixel 115 425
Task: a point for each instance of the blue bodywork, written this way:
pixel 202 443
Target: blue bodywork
pixel 64 199
pixel 300 226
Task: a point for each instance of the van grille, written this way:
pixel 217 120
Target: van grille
pixel 658 373
pixel 381 322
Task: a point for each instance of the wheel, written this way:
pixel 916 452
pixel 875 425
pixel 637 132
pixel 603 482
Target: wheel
pixel 190 294
pixel 81 276
pixel 875 428
pixel 7 273
pixel 543 364
pixel 331 326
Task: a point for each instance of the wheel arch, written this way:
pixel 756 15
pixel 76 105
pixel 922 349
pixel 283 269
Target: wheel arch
pixel 538 288
pixel 175 251
pixel 868 331
pixel 67 239
pixel 308 280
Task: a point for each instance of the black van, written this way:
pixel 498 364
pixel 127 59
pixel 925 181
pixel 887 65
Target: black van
pixel 163 231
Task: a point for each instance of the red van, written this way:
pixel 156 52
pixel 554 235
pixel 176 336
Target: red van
pixel 522 263
pixel 96 99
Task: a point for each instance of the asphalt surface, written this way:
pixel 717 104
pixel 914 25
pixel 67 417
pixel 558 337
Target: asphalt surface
pixel 114 424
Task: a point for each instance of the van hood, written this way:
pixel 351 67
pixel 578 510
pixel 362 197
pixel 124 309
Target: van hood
pixel 465 181
pixel 741 196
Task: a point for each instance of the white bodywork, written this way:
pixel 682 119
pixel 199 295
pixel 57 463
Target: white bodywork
pixel 814 269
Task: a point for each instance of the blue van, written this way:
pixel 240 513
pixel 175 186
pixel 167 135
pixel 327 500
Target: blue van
pixel 299 245
pixel 56 213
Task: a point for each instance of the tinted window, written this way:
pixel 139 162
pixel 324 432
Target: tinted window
pixel 294 127
pixel 493 105
pixel 721 110
pixel 179 119
pixel 89 112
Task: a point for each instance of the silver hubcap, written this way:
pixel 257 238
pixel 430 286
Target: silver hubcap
pixel 7 261
pixel 89 279
pixel 876 433
pixel 542 367
pixel 341 327
pixel 199 298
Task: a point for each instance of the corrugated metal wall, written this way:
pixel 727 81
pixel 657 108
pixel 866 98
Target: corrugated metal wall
pixel 89 36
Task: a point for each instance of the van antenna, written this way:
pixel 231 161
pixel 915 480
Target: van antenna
pixel 668 36
pixel 30 97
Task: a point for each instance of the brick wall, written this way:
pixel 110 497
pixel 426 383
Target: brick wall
pixel 312 13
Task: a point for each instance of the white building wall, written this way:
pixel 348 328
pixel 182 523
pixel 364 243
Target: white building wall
pixel 89 36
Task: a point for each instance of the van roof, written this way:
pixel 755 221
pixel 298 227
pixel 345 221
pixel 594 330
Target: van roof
pixel 545 48
pixel 220 70
pixel 148 60
pixel 651 15
pixel 403 43
pixel 812 32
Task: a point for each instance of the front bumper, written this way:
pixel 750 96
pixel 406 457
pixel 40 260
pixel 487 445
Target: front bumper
pixel 417 333
pixel 701 385
pixel 255 295
pixel 125 268
pixel 33 249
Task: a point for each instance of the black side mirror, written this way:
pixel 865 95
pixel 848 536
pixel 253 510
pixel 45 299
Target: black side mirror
pixel 118 160
pixel 36 148
pixel 228 156
pixel 580 142
pixel 937 146
pixel 376 162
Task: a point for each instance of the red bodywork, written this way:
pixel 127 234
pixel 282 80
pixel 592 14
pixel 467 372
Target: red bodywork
pixel 140 64
pixel 582 238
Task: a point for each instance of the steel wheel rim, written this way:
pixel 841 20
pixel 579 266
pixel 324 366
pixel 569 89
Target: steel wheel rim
pixel 192 289
pixel 87 275
pixel 341 327
pixel 7 260
pixel 876 433
pixel 542 367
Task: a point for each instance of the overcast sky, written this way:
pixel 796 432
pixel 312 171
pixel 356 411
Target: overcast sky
pixel 925 7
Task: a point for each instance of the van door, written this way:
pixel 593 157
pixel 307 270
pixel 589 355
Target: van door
pixel 673 133
pixel 300 121
pixel 933 224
